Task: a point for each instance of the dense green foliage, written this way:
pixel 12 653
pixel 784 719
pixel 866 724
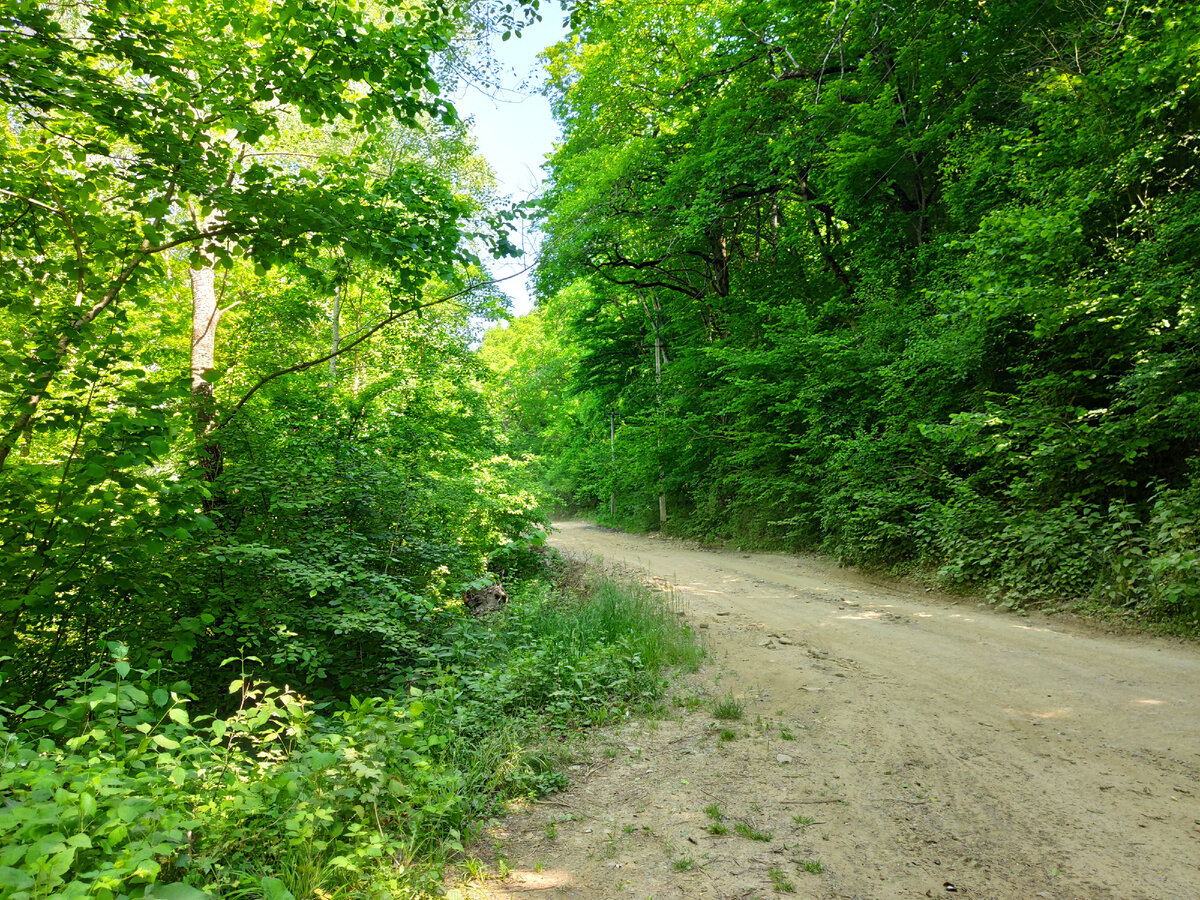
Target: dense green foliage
pixel 316 182
pixel 117 787
pixel 922 280
pixel 244 439
pixel 913 284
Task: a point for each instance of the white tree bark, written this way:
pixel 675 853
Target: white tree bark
pixel 205 317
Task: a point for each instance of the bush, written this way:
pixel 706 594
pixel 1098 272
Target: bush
pixel 1124 555
pixel 114 789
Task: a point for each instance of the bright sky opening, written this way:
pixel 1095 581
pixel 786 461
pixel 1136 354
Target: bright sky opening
pixel 515 131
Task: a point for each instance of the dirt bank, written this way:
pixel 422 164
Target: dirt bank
pixel 893 743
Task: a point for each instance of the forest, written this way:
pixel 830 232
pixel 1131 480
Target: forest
pixel 913 285
pixel 250 464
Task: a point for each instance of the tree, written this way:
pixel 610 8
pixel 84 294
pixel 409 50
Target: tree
pixel 168 122
pixel 203 145
pixel 887 249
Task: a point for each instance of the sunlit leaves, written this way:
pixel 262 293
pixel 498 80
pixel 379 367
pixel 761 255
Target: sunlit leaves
pixel 862 232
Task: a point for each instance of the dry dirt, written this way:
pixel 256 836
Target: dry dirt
pixel 915 745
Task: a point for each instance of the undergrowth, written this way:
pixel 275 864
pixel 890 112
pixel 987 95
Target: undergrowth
pixel 118 787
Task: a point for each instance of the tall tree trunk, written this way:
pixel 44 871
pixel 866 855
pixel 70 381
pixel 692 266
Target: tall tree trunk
pixel 205 318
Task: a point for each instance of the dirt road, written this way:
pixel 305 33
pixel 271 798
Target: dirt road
pixel 894 743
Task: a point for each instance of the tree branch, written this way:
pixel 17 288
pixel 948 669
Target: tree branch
pixel 308 364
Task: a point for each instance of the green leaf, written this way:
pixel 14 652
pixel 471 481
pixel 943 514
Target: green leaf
pixel 176 891
pixel 273 889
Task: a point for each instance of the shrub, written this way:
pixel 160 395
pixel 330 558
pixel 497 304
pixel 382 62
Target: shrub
pixel 115 788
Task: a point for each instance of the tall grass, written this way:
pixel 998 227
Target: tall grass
pixel 642 622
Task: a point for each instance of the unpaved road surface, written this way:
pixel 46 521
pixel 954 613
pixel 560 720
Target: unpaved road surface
pixel 911 744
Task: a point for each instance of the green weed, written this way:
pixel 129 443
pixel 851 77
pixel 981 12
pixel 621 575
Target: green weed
pixel 728 708
pixel 750 832
pixel 780 882
pixel 426 763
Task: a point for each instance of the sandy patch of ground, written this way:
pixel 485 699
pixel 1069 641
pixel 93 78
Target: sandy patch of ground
pixel 893 743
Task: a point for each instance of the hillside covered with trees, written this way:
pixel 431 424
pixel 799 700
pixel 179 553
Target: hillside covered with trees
pixel 913 283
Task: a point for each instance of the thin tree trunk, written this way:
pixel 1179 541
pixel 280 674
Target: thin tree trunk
pixel 658 358
pixel 612 460
pixel 38 383
pixel 357 361
pixel 335 324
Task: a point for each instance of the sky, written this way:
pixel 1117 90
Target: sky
pixel 515 131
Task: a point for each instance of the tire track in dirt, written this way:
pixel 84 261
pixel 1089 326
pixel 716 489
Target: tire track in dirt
pixel 934 744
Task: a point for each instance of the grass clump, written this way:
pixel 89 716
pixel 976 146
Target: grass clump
pixel 751 833
pixel 728 708
pixel 780 882
pixel 717 824
pixel 617 615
